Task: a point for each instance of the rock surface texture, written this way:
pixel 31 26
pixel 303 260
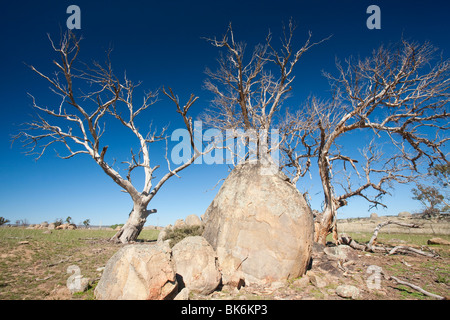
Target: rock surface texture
pixel 138 272
pixel 195 265
pixel 260 226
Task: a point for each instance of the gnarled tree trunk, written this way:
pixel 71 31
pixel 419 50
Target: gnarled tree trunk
pixel 325 223
pixel 133 227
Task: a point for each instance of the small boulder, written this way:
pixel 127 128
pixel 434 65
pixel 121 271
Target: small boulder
pixel 438 241
pixel 341 252
pixel 138 272
pixel 193 220
pixel 183 294
pixel 347 291
pixel 317 281
pixel 195 265
pixel 179 224
pixel 237 280
pixel 404 214
pixel 62 226
pixel 302 282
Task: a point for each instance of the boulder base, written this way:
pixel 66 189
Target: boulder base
pixel 138 272
pixel 195 265
pixel 260 225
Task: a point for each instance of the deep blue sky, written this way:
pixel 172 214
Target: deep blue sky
pixel 160 43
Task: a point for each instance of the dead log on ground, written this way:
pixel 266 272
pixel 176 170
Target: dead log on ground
pixel 346 239
pixel 381 225
pixel 405 249
pixel 413 286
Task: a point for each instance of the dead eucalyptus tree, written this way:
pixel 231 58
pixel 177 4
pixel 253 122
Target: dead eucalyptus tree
pixel 250 90
pixel 79 122
pixel 398 94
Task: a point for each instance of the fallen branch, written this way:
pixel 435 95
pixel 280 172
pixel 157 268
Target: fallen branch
pixel 345 239
pixel 381 225
pixel 413 286
pixel 406 249
pixel 56 263
pixel 43 279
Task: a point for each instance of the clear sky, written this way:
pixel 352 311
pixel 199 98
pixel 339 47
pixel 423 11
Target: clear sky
pixel 160 43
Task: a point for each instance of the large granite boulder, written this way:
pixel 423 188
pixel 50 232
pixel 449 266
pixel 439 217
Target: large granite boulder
pixel 195 265
pixel 260 226
pixel 138 272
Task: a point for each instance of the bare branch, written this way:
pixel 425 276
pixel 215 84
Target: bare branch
pixel 250 90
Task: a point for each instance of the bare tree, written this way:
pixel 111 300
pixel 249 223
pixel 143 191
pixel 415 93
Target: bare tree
pixel 79 123
pixel 249 91
pixel 399 93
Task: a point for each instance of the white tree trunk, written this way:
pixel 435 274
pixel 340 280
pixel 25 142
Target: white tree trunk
pixel 133 227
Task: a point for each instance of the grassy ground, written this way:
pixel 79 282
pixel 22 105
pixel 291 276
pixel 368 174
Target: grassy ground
pixel 393 239
pixel 33 265
pixel 432 274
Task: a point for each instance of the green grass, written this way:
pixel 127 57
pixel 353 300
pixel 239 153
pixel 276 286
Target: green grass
pixel 8 234
pixel 33 270
pixel 409 294
pixel 393 238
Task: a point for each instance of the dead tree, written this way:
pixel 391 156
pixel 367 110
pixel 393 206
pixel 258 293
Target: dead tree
pixel 369 176
pixel 399 94
pixel 249 91
pixel 78 123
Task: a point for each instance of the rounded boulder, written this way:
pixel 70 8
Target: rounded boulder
pixel 260 225
pixel 195 265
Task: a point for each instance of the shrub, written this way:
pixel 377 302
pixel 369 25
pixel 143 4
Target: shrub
pixel 3 220
pixel 58 222
pixel 178 234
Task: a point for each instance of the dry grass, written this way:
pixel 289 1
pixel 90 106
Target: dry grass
pixel 37 268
